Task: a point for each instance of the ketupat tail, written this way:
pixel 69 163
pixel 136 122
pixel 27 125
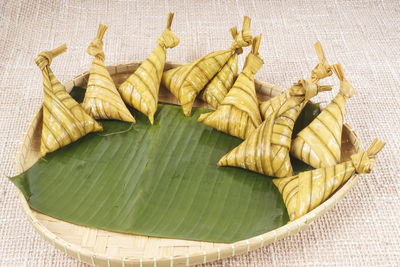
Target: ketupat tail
pixel 186 82
pixel 102 100
pixel 141 89
pixel 305 191
pixel 319 144
pixel 322 70
pixel 64 120
pixel 216 90
pixel 239 113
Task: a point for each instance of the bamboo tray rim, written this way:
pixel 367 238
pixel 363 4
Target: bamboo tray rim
pixel 102 259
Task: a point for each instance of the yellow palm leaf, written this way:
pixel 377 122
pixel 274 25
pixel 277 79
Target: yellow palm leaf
pixel 305 191
pixel 319 144
pixel 239 113
pixel 141 89
pixel 186 82
pixel 64 120
pixel 266 150
pixel 102 100
pixel 216 90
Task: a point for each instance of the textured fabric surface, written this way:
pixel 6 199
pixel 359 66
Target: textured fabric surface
pixel 363 229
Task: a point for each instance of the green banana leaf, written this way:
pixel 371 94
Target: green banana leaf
pixel 158 180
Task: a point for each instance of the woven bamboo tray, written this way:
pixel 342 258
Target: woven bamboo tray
pixel 105 248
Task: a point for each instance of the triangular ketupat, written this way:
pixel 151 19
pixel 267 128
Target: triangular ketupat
pixel 322 70
pixel 239 113
pixel 102 100
pixel 186 82
pixel 266 150
pixel 64 120
pixel 306 190
pixel 319 144
pixel 141 89
pixel 216 90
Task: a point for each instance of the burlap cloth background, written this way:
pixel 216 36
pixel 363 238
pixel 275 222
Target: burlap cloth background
pixel 364 36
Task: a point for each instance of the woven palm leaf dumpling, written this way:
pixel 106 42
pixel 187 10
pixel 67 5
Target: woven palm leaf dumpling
pixel 186 82
pixel 306 190
pixel 266 150
pixel 319 144
pixel 216 90
pixel 321 71
pixel 239 113
pixel 140 90
pixel 102 100
pixel 64 120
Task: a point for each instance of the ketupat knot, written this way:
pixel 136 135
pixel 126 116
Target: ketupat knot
pixel 307 88
pixel 96 46
pixel 323 69
pixel 310 88
pixel 44 59
pixel 253 61
pixel 346 88
pixel 244 37
pixel 363 162
pixel 234 34
pixel 168 39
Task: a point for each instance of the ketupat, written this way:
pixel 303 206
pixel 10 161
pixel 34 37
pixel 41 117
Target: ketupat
pixel 239 113
pixel 305 191
pixel 102 100
pixel 216 90
pixel 266 150
pixel 141 89
pixel 322 70
pixel 186 82
pixel 64 120
pixel 319 144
